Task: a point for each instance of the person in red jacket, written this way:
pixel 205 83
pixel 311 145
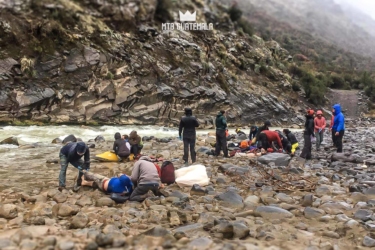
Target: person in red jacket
pixel 266 138
pixel 319 127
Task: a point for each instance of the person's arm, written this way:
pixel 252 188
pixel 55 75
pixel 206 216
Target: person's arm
pixel 87 158
pixel 196 123
pixel 311 128
pixel 332 121
pixel 224 121
pixel 135 173
pixel 340 125
pixel 138 140
pixel 316 124
pixel 180 128
pixel 279 142
pixel 115 147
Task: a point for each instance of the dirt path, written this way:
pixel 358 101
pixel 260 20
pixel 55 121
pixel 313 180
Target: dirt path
pixel 348 100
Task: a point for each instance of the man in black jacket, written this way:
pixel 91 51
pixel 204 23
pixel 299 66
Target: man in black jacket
pixel 120 148
pixel 293 141
pixel 188 124
pixel 72 153
pixel 221 139
pixel 308 132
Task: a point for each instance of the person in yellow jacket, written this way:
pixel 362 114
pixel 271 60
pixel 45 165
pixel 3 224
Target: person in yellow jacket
pixel 292 139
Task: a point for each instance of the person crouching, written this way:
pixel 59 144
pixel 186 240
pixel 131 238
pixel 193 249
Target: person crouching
pixel 292 139
pixel 145 177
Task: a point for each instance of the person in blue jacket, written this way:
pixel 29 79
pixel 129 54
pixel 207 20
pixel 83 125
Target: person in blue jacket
pixel 119 185
pixel 338 126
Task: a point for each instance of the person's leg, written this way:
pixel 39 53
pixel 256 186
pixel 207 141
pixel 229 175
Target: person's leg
pixel 218 144
pixel 186 150
pixel 135 150
pixel 78 164
pixel 64 165
pixel 97 178
pixel 306 147
pixel 223 141
pixel 339 141
pixel 333 137
pixel 294 148
pixel 317 135
pixel 139 193
pixel 321 136
pixel 192 150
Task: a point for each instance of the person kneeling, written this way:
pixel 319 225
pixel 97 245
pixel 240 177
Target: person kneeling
pixel 121 185
pixel 145 178
pixel 120 147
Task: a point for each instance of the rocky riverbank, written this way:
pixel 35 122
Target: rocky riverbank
pixel 325 203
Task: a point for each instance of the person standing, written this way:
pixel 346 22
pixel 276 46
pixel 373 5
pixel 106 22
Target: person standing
pixel 72 153
pixel 319 127
pixel 188 123
pixel 338 126
pixel 221 139
pixel 308 132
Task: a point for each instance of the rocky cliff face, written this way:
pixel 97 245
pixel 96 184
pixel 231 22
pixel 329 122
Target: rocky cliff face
pixel 108 61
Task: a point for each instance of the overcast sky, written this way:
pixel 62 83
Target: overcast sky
pixel 367 6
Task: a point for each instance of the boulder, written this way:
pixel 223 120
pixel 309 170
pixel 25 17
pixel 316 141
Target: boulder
pixel 230 199
pixel 69 138
pixel 99 139
pixel 79 221
pixel 105 201
pixel 8 211
pixel 279 159
pixel 11 140
pixel 270 212
pixel 56 141
pixel 233 170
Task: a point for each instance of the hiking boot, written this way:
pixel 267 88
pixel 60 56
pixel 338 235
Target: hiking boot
pixel 94 185
pixel 61 188
pixel 76 188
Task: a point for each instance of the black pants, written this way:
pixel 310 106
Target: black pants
pixel 189 142
pixel 140 192
pixel 263 141
pixel 136 149
pixel 306 151
pixel 338 139
pixel 334 138
pixel 221 142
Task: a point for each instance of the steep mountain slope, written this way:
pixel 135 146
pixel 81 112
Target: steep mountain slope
pixel 108 61
pixel 321 18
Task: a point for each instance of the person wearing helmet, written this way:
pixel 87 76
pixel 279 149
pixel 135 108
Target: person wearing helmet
pixel 72 153
pixel 307 134
pixel 319 126
pixel 187 129
pixel 239 132
pixel 338 126
pixel 266 126
pixel 253 132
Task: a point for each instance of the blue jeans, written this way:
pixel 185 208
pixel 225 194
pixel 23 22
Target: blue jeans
pixel 64 166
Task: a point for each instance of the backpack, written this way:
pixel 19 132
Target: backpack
pixel 167 173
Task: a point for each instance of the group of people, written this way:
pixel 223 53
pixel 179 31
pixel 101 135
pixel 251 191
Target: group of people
pixel 126 145
pixel 146 175
pixel 315 127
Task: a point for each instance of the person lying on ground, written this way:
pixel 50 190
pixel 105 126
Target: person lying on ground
pixel 120 148
pixel 292 139
pixel 120 184
pixel 145 178
pixel 72 153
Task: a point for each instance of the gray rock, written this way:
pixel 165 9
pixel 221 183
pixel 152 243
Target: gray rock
pixel 368 241
pixel 104 240
pixel 270 212
pixel 200 243
pixel 157 231
pixel 28 244
pixel 49 241
pixel 64 210
pixel 105 201
pixel 91 245
pixel 230 199
pixel 4 243
pixel 363 214
pixel 60 197
pixel 233 170
pixel 99 139
pixel 190 229
pixel 311 213
pixel 79 221
pixel 307 200
pixel 240 230
pixel 66 245
pixel 284 198
pixel 278 158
